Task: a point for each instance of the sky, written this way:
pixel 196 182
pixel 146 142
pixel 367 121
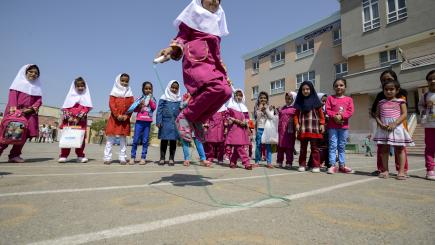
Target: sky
pixel 98 39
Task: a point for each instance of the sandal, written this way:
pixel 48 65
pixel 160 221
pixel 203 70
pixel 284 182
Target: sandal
pixel 401 177
pixel 233 165
pixel 383 175
pixel 183 127
pixel 171 163
pixel 161 162
pixel 142 162
pixel 248 167
pixel 206 163
pixel 186 163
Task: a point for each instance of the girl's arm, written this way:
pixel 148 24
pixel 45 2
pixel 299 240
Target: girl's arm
pixel 403 116
pixel 12 100
pixel 328 106
pixel 322 120
pixel 296 121
pixel 349 110
pixel 113 108
pixel 378 118
pixel 152 104
pixel 159 116
pixel 178 42
pixel 37 104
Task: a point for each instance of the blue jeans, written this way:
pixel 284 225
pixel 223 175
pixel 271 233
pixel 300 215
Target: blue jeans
pixel 258 148
pixel 337 141
pixel 141 130
pixel 199 148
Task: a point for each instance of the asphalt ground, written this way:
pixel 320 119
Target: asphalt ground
pixel 44 202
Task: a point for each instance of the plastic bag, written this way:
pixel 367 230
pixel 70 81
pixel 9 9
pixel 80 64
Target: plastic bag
pixel 270 133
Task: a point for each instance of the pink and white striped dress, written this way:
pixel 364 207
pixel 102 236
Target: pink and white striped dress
pixel 389 111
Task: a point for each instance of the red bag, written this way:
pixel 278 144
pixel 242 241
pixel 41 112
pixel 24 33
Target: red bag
pixel 13 129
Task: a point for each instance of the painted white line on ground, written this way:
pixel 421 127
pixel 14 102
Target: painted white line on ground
pixel 159 224
pixel 138 186
pixel 109 173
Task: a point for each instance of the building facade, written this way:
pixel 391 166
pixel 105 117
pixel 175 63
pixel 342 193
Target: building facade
pixel 386 34
pixel 311 54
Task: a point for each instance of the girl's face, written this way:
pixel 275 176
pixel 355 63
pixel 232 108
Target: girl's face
pixel 339 87
pixel 174 88
pixel 238 96
pixel 80 87
pixel 390 91
pixel 386 77
pixel 431 83
pixel 147 89
pixel 288 99
pixel 211 5
pixel 306 91
pixel 124 81
pixel 262 99
pixel 32 74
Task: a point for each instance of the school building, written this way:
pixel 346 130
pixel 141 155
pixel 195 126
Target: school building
pixel 360 41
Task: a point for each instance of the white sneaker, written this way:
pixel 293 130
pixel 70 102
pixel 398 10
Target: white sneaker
pixel 301 169
pixel 315 170
pixel 82 159
pixel 62 160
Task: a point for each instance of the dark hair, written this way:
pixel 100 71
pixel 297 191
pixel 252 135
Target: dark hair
pixel 79 80
pixel 391 72
pixel 340 79
pixel 176 83
pixel 265 94
pixel 145 83
pixel 429 74
pixel 125 75
pixel 33 67
pixel 394 82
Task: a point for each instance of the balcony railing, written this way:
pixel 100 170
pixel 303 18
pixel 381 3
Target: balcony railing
pixel 418 62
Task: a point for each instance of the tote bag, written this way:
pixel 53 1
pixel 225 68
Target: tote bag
pixel 71 137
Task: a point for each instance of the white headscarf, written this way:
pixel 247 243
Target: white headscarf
pixel 197 17
pixel 320 95
pixel 120 91
pixel 21 83
pixel 169 96
pixel 293 95
pixel 233 104
pixel 73 97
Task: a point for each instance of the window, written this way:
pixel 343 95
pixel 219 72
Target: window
pixel 277 87
pixel 387 57
pixel 255 92
pixel 340 70
pixel 370 15
pixel 278 56
pixel 307 76
pixel 396 10
pixel 304 47
pixel 336 36
pixel 255 66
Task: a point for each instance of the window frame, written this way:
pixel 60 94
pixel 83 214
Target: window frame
pixel 277 90
pixel 373 23
pixel 398 13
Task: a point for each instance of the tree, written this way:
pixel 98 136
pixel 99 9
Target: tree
pixel 99 125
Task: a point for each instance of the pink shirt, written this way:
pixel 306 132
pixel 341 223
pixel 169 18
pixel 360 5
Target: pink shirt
pixel 146 113
pixel 343 106
pixel 390 108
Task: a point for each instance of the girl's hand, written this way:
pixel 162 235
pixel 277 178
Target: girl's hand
pixel 70 119
pixel 298 128
pixel 158 125
pixel 205 125
pixel 120 118
pixel 262 108
pixel 391 126
pixel 166 53
pixel 322 129
pixel 271 107
pixel 28 110
pixel 12 109
pixel 75 120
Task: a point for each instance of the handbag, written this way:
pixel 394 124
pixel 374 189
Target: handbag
pixel 13 129
pixel 71 137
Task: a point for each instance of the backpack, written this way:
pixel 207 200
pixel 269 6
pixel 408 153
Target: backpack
pixel 13 129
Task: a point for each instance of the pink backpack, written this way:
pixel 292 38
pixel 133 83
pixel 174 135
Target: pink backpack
pixel 13 129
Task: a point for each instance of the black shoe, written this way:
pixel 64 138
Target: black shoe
pixel 171 163
pixel 161 162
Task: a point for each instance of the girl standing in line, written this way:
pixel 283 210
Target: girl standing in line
pixel 118 125
pixel 167 110
pixel 75 110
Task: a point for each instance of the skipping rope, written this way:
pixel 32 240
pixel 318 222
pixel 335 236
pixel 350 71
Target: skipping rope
pixel 206 189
